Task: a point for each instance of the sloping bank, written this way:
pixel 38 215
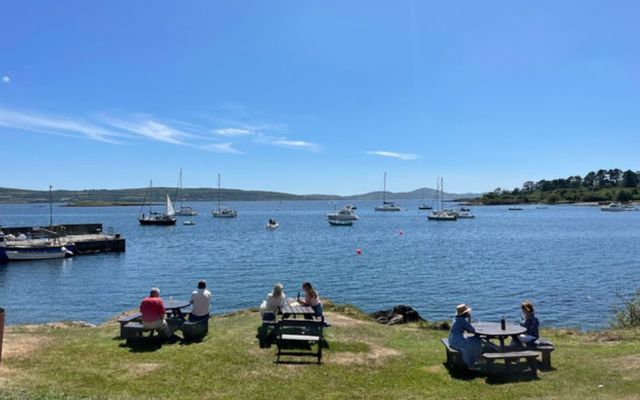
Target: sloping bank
pixel 365 360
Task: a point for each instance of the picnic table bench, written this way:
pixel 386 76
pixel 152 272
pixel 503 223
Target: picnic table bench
pixel 530 356
pixel 294 336
pixel 124 320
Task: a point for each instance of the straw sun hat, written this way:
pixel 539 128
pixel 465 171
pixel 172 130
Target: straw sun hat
pixel 462 309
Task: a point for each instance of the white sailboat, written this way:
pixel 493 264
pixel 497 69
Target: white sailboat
pixel 441 214
pixel 183 211
pixel 223 212
pixel 387 205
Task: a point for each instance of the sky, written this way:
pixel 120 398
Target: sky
pixel 316 97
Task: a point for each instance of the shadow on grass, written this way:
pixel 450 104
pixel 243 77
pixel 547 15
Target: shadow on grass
pixel 514 374
pixel 150 343
pixel 297 362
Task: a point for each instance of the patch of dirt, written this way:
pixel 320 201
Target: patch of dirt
pixel 343 321
pixel 375 355
pixel 141 369
pixel 605 336
pixel 20 345
pixel 434 369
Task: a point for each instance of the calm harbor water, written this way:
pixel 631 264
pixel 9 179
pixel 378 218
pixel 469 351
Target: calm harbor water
pixel 569 260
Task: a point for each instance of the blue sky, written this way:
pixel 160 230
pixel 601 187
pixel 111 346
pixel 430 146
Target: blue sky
pixel 316 97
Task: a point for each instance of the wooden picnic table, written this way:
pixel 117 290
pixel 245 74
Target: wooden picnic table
pixel 493 330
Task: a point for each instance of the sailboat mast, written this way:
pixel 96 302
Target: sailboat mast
pixel 180 188
pixel 219 192
pixel 384 189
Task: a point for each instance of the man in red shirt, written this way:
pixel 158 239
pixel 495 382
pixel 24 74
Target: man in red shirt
pixel 152 309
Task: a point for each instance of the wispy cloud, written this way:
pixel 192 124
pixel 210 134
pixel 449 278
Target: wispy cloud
pixel 226 147
pixel 6 79
pixel 33 122
pixel 152 130
pixel 229 132
pixel 297 144
pixel 392 154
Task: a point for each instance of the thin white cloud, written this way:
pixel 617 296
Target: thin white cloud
pixel 32 122
pixel 152 130
pixel 230 132
pixel 392 154
pixel 6 79
pixel 226 147
pixel 297 144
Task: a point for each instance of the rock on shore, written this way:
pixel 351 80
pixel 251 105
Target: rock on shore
pixel 400 314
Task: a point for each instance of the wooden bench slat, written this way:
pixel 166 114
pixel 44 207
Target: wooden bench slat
pixel 511 355
pixel 307 338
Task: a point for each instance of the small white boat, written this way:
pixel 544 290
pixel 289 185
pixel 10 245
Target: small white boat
pixel 613 207
pixel 425 207
pixel 188 223
pixel 272 225
pixel 466 214
pixel 26 250
pixel 630 207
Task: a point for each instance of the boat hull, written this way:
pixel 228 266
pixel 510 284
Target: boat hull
pixel 159 222
pixel 340 223
pixel 35 253
pixel 272 227
pixel 388 208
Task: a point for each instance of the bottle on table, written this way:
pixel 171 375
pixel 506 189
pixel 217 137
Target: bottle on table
pixel 298 297
pixel 503 323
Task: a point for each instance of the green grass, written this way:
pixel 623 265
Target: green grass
pixel 365 360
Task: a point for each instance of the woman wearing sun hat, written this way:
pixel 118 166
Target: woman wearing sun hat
pixel 470 347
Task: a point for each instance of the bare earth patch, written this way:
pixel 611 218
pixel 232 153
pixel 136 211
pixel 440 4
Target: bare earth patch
pixel 375 355
pixel 20 345
pixel 141 369
pixel 629 366
pixel 343 321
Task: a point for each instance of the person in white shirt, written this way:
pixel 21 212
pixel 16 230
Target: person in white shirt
pixel 273 302
pixel 201 302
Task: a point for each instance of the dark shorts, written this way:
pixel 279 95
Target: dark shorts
pixel 195 318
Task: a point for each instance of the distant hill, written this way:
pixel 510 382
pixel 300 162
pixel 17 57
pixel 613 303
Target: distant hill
pixel 137 195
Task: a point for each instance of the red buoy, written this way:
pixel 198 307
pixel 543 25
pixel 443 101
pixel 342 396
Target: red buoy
pixel 358 251
pixel 401 233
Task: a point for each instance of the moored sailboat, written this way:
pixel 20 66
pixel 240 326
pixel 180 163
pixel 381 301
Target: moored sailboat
pixel 442 214
pixel 156 218
pixel 387 205
pixel 223 212
pixel 183 211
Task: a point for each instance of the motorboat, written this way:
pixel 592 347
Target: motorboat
pixel 515 209
pixel 344 214
pixel 272 225
pixel 425 207
pixel 188 223
pixel 387 205
pixel 28 250
pixel 223 212
pixel 614 207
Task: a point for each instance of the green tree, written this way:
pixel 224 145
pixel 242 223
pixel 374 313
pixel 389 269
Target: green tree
pixel 623 195
pixel 629 179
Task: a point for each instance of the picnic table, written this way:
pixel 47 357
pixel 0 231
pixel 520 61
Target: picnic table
pixel 175 307
pixel 295 310
pixel 493 330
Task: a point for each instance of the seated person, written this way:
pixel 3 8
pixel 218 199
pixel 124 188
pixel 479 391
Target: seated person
pixel 273 302
pixel 530 322
pixel 201 302
pixel 312 299
pixel 153 313
pixel 470 347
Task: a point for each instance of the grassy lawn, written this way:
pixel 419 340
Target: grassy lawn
pixel 365 360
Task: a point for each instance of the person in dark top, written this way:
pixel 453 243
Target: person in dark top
pixel 530 322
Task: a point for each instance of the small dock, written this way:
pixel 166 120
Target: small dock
pixel 88 238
